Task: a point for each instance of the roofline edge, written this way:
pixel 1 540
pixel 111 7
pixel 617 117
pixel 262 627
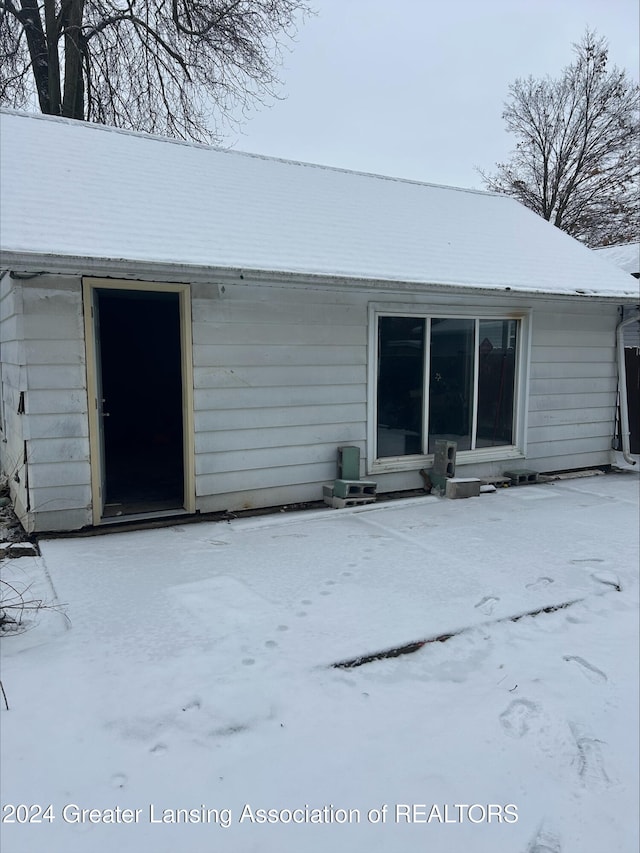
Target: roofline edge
pixel 46 264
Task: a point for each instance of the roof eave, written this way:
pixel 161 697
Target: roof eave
pixel 30 263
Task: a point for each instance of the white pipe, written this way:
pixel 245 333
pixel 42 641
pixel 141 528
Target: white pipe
pixel 622 390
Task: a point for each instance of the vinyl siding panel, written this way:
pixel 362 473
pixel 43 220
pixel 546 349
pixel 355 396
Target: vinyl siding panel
pixel 56 428
pixel 566 354
pixel 280 382
pixel 258 458
pixel 572 391
pixel 55 474
pixel 573 370
pixel 631 333
pixel 280 355
pixel 563 385
pixel 228 419
pixel 561 417
pixel 288 375
pixel 223 441
pixel 565 432
pixel 307 476
pixel 270 415
pixel 42 377
pixel 277 395
pixel 13 382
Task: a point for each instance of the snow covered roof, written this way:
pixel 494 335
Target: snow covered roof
pixel 626 256
pixel 83 191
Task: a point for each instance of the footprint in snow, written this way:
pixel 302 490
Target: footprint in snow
pixel 158 749
pixel 193 705
pixel 290 536
pixel 589 759
pixel 587 560
pixel 225 731
pixel 540 583
pixel 119 780
pixel 608 579
pixel 544 842
pixel 515 720
pixel 487 604
pixel 592 672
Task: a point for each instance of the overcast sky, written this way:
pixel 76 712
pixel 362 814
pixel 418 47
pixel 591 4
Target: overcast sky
pixel 415 88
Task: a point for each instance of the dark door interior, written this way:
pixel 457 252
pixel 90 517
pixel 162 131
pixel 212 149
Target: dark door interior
pixel 140 358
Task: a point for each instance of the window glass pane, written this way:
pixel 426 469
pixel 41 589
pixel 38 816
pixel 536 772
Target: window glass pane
pixel 400 385
pixel 451 381
pixel 496 381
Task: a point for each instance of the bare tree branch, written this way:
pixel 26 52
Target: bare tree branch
pixel 575 161
pixel 165 66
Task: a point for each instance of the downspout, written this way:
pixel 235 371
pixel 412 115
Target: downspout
pixel 622 390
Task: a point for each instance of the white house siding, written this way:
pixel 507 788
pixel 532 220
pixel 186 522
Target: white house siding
pixel 56 426
pixel 572 387
pixel 13 376
pixel 280 381
pixel 632 331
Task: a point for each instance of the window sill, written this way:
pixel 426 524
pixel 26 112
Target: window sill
pixel 463 457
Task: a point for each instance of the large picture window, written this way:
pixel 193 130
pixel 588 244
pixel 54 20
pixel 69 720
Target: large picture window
pixel 445 377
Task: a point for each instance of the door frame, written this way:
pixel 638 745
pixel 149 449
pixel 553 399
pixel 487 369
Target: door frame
pixel 89 286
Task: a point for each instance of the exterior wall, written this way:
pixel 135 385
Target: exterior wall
pixel 55 427
pixel 13 382
pixel 280 382
pixel 631 332
pixel 573 387
pixel 282 377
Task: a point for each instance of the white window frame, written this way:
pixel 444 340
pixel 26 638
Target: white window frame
pixel 517 450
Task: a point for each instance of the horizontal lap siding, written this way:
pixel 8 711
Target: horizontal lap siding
pixel 13 382
pixel 280 383
pixel 572 388
pixel 56 428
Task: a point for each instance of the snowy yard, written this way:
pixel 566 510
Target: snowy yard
pixel 192 682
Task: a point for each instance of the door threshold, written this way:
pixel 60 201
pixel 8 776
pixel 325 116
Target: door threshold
pixel 143 516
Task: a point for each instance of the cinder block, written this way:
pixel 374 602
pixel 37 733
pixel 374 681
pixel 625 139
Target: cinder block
pixel 18 549
pixel 341 503
pixel 444 459
pixel 327 495
pixel 348 463
pixel 354 488
pixel 521 476
pixel 462 487
pixel 495 481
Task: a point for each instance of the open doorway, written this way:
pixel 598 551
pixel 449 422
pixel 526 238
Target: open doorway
pixel 139 376
pixel 141 385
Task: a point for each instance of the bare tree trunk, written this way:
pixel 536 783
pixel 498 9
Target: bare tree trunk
pixel 29 16
pixel 73 98
pixel 165 66
pixel 53 66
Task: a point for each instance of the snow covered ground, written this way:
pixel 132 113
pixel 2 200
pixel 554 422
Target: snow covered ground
pixel 191 671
